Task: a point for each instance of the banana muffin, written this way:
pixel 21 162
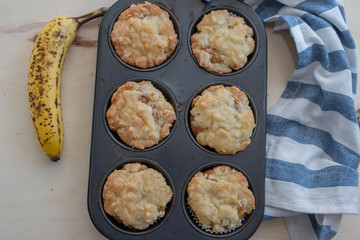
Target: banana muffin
pixel 220 198
pixel 221 118
pixel 222 42
pixel 144 36
pixel 136 195
pixel 140 114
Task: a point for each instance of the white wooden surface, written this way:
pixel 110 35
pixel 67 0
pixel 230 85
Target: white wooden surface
pixel 44 200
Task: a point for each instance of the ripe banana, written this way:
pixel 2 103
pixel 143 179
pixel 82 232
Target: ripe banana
pixel 44 79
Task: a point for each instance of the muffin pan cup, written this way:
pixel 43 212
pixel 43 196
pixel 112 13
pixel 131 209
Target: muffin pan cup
pixel 158 222
pixel 169 98
pixel 178 155
pixel 191 216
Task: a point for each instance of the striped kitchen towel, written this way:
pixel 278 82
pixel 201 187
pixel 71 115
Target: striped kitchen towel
pixel 313 141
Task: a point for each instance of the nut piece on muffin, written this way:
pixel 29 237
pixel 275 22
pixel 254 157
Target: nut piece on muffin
pixel 144 36
pixel 140 114
pixel 223 42
pixel 136 195
pixel 220 198
pixel 221 118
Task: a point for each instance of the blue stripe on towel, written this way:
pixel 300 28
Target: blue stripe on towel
pixel 354 80
pixel 268 8
pixel 332 62
pixel 323 232
pixel 327 101
pixel 282 127
pixel 316 7
pixel 292 21
pixel 346 38
pixel 317 23
pixel 297 173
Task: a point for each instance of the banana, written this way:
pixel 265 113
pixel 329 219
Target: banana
pixel 44 79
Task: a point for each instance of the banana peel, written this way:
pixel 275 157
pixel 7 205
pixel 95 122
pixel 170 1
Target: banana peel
pixel 44 79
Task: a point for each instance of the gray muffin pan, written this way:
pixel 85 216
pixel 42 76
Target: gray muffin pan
pixel 178 157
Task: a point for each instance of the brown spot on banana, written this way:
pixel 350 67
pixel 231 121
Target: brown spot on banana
pixel 56 34
pixel 53 53
pixel 49 63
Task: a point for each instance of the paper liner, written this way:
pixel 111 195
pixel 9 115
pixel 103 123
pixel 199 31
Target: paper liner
pixel 193 215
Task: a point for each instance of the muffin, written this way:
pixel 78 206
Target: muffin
pixel 222 42
pixel 222 119
pixel 144 36
pixel 136 195
pixel 140 114
pixel 219 198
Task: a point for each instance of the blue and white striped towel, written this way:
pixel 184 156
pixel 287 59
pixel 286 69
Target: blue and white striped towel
pixel 313 142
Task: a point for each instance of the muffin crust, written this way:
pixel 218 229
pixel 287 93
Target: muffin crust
pixel 220 198
pixel 223 42
pixel 140 114
pixel 222 119
pixel 144 36
pixel 136 195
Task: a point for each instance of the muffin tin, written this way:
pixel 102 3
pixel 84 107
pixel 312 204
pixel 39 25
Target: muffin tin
pixel 178 157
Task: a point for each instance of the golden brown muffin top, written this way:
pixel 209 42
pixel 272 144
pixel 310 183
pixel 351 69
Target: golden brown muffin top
pixel 136 195
pixel 144 36
pixel 140 114
pixel 222 119
pixel 220 198
pixel 223 42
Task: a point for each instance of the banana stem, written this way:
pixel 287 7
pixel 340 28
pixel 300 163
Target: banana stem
pixel 90 16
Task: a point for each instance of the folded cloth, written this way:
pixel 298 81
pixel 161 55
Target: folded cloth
pixel 313 141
